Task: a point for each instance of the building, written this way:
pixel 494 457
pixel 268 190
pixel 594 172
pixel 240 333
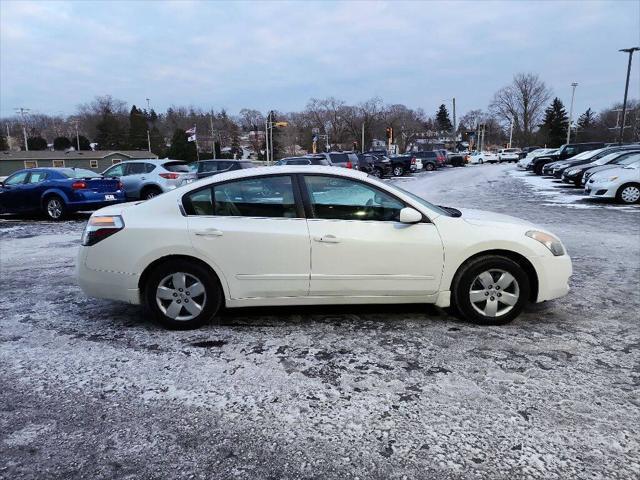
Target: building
pixel 98 160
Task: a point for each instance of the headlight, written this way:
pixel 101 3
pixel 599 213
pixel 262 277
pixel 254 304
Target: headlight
pixel 552 243
pixel 572 172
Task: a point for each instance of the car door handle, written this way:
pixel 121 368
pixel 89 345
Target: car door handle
pixel 210 232
pixel 327 239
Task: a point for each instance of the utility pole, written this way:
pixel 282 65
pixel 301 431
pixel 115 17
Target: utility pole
pixel 213 140
pixel 75 122
pixel 148 106
pixel 22 111
pixel 362 138
pixel 266 136
pixel 8 137
pixel 573 94
pixel 271 134
pixel 511 132
pixel 454 118
pixel 626 90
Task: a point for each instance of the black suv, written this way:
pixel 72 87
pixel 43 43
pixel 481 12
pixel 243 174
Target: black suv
pixel 378 164
pixel 207 168
pixel 401 164
pixel 568 150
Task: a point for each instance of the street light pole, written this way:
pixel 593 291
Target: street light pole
pixel 511 132
pixel 626 90
pixel 573 93
pixel 362 145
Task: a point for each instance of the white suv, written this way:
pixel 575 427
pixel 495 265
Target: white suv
pixel 509 155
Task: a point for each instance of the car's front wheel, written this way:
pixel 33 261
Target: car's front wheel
pixel 628 193
pixel 55 208
pixel 429 167
pixel 490 290
pixel 182 294
pixel 398 171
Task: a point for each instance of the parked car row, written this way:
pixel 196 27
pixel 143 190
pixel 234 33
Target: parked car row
pixel 603 171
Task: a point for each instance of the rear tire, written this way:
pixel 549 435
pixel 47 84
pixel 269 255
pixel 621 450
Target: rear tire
pixel 398 171
pixel 490 290
pixel 54 208
pixel 150 192
pixel 377 172
pixel 429 167
pixel 182 294
pixel 629 193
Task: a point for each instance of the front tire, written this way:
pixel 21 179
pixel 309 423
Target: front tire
pixel 628 193
pixel 429 167
pixel 490 290
pixel 54 208
pixel 182 294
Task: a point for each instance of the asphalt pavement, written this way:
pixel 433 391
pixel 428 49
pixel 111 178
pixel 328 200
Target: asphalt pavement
pixel 94 389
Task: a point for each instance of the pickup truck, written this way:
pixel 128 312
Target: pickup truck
pixel 402 164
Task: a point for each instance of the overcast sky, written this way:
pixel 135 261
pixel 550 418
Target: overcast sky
pixel 56 55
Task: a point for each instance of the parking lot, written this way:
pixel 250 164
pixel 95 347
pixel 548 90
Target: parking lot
pixel 93 389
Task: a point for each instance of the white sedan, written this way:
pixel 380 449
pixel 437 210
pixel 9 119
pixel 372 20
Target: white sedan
pixel 509 155
pixel 622 183
pixel 314 235
pixel 482 157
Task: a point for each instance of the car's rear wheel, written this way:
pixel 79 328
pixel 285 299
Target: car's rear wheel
pixel 480 161
pixel 628 193
pixel 377 172
pixel 429 167
pixel 398 171
pixel 55 208
pixel 182 294
pixel 150 192
pixel 490 290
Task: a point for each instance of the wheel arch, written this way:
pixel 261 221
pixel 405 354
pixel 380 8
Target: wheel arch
pixel 520 259
pixel 149 268
pixel 149 186
pixel 53 192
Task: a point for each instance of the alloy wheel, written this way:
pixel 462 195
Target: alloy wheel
pixel 54 208
pixel 630 194
pixel 494 293
pixel 181 296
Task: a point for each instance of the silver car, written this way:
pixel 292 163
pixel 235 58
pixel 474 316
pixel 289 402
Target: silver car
pixel 144 179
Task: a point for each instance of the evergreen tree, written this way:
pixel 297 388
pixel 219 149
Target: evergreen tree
pixel 61 143
pixel 555 124
pixel 85 144
pixel 36 143
pixel 157 142
pixel 4 145
pixel 587 119
pixel 110 134
pixel 443 122
pixel 137 129
pixel 181 148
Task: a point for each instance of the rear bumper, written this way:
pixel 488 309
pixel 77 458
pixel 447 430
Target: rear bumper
pixel 109 285
pixel 93 205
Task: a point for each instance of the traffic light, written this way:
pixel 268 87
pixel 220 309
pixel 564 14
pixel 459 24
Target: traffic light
pixel 389 131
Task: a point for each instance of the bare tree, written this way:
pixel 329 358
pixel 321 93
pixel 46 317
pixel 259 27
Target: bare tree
pixel 523 103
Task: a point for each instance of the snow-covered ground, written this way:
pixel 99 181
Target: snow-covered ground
pixel 93 389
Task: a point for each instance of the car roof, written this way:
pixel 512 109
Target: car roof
pixel 283 170
pixel 156 161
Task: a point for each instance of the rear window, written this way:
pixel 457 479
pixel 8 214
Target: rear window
pixel 176 167
pixel 320 161
pixel 246 165
pixel 339 157
pixel 79 173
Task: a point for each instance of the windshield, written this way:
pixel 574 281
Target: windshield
pixel 79 173
pixel 420 200
pixel 586 155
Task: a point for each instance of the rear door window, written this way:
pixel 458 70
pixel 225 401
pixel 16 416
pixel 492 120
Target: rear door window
pixel 135 168
pixel 255 197
pixel 149 167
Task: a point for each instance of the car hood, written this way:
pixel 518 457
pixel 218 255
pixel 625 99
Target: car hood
pixel 483 218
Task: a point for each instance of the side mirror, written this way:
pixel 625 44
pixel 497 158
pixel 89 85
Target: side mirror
pixel 409 215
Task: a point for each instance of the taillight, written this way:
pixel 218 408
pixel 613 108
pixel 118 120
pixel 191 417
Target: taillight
pixel 413 160
pixel 170 176
pixel 79 185
pixel 100 227
pixel 119 186
pixel 349 165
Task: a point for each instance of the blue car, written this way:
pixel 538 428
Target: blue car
pixel 58 191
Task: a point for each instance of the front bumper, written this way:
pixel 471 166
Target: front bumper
pixel 109 285
pixel 553 276
pixel 600 190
